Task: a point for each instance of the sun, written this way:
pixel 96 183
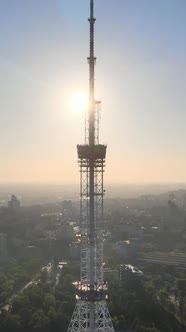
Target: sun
pixel 79 102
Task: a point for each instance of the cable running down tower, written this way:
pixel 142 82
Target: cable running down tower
pixel 91 313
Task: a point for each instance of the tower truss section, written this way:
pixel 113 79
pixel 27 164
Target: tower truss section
pixel 86 156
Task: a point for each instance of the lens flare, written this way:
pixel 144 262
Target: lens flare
pixel 79 102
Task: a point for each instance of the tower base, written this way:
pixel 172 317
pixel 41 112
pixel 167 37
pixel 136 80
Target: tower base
pixel 87 313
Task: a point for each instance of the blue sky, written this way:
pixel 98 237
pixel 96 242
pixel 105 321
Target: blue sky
pixel 140 78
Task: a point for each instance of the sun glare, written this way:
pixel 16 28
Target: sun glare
pixel 79 102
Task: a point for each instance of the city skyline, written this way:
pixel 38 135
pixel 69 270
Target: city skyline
pixel 139 78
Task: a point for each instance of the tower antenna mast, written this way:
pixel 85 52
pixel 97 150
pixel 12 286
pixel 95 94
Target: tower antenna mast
pixel 91 312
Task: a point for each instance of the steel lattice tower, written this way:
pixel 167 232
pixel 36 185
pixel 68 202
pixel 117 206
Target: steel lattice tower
pixel 91 313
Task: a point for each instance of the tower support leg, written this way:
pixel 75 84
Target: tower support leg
pixel 82 321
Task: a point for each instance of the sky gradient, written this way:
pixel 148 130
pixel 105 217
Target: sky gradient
pixel 140 78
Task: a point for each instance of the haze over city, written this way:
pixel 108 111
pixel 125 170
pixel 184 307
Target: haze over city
pixel 140 78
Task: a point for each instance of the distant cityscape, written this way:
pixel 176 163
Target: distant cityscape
pixel 30 194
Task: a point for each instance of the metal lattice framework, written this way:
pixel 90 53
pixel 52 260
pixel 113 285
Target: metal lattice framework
pixel 91 313
pixel 85 235
pixel 83 314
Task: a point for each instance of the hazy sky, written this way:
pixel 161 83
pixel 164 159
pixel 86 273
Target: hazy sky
pixel 140 78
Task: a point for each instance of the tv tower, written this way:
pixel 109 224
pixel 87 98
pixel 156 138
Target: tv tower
pixel 91 313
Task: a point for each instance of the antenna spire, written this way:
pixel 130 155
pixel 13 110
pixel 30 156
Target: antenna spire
pixel 92 8
pixel 91 61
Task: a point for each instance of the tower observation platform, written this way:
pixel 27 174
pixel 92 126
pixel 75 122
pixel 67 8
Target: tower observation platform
pixel 95 152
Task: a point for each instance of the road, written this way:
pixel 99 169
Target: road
pixel 8 306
